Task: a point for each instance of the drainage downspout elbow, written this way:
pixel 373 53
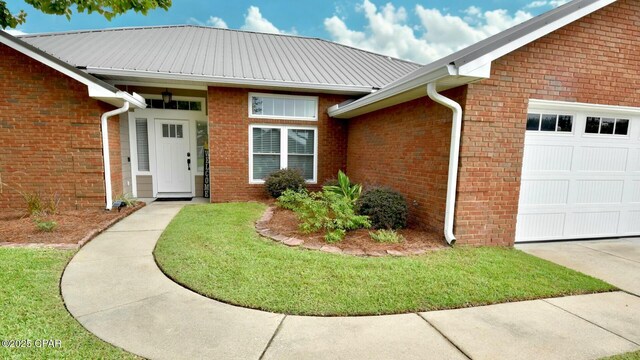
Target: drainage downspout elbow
pixel 105 151
pixel 454 153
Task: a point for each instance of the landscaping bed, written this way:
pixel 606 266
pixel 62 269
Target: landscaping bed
pixel 285 222
pixel 214 250
pixel 33 310
pixel 73 226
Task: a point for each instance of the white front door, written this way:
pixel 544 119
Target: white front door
pixel 173 157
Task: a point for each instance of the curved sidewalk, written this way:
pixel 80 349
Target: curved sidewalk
pixel 115 290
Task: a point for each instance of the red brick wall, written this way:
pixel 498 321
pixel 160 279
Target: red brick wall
pixel 593 60
pixel 229 143
pixel 406 147
pixel 50 135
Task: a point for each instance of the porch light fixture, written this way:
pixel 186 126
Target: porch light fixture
pixel 167 96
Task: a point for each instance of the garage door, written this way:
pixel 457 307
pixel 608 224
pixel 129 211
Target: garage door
pixel 580 173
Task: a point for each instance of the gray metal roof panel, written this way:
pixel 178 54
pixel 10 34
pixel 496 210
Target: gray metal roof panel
pixel 206 51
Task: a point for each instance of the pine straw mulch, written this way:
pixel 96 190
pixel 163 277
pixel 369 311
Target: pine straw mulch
pixel 284 222
pixel 74 226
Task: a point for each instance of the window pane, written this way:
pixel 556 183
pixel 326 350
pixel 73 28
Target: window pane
pixel 565 123
pixel 263 165
pixel 300 142
pixel 179 131
pixel 548 123
pixel 310 109
pixel 606 127
pixel 304 163
pixel 165 130
pixel 183 105
pixel 593 124
pixel 533 122
pixel 266 141
pixel 289 107
pixel 157 104
pixel 173 105
pixel 142 144
pixel 622 127
pixel 278 107
pixel 202 137
pixel 172 131
pixel 195 105
pixel 148 102
pixel 256 105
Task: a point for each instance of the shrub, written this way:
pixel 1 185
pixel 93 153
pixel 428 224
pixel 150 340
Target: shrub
pixel 323 211
pixel 286 179
pixel 330 182
pixel 46 225
pixel 37 205
pixel 386 208
pixel 345 188
pixel 386 236
pixel 127 199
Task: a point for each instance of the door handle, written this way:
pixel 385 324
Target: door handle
pixel 189 164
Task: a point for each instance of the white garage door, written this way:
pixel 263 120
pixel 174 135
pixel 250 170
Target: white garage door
pixel 580 173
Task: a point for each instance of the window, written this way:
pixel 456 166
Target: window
pixel 278 147
pixel 549 122
pixel 283 107
pixel 172 131
pixel 202 138
pixel 174 105
pixel 606 126
pixel 142 144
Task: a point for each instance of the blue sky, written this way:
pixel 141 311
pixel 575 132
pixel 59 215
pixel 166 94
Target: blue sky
pixel 415 30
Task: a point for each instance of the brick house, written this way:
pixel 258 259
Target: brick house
pixel 531 134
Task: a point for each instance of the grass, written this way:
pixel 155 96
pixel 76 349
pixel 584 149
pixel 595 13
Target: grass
pixel 634 355
pixel 214 250
pixel 32 309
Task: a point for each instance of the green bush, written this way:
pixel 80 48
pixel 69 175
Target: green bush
pixel 386 236
pixel 46 225
pixel 386 208
pixel 127 199
pixel 285 179
pixel 323 211
pixel 345 188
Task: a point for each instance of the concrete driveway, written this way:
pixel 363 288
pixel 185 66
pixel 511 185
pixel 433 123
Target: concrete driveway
pixel 616 261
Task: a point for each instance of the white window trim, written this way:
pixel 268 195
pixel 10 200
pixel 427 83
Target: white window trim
pixel 600 135
pixel 284 149
pixel 279 96
pixel 555 132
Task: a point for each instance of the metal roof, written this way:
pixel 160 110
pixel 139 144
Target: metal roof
pixel 219 55
pixel 471 63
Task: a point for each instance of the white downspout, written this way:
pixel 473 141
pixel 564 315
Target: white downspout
pixel 105 150
pixel 454 153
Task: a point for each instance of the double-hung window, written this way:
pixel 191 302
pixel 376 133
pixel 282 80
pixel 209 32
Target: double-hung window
pixel 278 147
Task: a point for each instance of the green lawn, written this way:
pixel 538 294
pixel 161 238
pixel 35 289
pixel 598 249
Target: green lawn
pixel 32 309
pixel 214 250
pixel 635 355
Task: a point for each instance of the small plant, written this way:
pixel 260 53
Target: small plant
pixel 33 202
pixel 282 180
pixel 386 236
pixel 127 199
pixel 345 188
pixel 45 225
pixel 323 211
pixel 386 208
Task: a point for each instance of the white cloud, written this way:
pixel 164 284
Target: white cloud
pixel 217 22
pixel 543 3
pixel 254 21
pixel 14 32
pixel 440 34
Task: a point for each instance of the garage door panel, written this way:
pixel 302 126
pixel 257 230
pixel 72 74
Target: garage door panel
pixel 635 192
pixel 598 191
pixel 537 158
pixel 540 226
pixel 544 192
pixel 601 159
pixel 631 223
pixel 592 224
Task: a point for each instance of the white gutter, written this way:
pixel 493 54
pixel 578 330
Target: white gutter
pixel 105 150
pixel 454 154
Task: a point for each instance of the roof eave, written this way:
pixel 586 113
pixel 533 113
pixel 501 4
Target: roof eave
pixel 226 81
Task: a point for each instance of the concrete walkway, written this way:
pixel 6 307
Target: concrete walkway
pixel 115 290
